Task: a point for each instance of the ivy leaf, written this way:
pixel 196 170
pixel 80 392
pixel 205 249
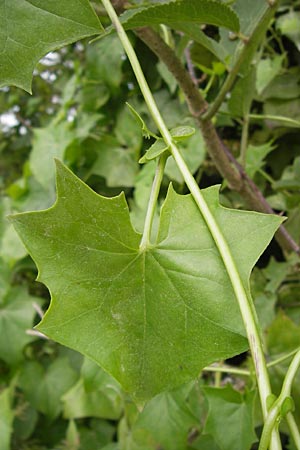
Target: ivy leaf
pixel 167 418
pixel 16 316
pixel 44 388
pixel 187 11
pixel 96 394
pixel 30 29
pixel 153 318
pixel 156 149
pixel 237 414
pixel 181 133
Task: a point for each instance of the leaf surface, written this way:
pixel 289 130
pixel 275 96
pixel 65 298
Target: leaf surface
pixel 152 319
pixel 187 11
pixel 31 28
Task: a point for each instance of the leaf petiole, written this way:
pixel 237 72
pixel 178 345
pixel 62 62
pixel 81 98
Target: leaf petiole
pixel 145 241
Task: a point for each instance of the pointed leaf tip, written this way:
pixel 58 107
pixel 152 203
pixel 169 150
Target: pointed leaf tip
pixel 46 26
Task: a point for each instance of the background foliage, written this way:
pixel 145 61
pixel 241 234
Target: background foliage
pixel 53 398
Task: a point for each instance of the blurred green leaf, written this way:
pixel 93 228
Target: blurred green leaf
pixel 96 394
pixel 255 157
pixel 289 25
pixel 45 386
pixel 16 318
pixel 231 411
pixel 166 419
pixel 266 71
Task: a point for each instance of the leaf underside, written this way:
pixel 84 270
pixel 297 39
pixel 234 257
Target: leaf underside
pixel 31 28
pixel 151 319
pixel 187 11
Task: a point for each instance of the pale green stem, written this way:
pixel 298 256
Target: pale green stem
pixel 274 414
pixel 282 358
pixel 266 176
pixel 276 118
pixel 244 372
pixel 245 304
pixel 244 140
pixel 145 241
pixel 227 369
pixel 294 430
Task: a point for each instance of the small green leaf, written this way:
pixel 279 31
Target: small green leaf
pixel 287 406
pixel 289 25
pixel 266 71
pixel 231 411
pixel 194 153
pixel 145 130
pixel 190 11
pixel 181 133
pixel 271 399
pixel 151 319
pixel 156 149
pixel 30 29
pixel 255 157
pixel 115 163
pixel 16 317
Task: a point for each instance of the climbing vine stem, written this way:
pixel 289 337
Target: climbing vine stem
pixel 245 303
pixel 277 410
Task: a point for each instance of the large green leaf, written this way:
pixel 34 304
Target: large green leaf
pixel 150 318
pixel 181 12
pixel 31 28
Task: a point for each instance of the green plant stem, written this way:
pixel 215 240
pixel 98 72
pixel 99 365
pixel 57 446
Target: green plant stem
pixel 145 241
pixel 235 371
pixel 282 358
pixel 245 304
pixel 274 414
pixel 227 369
pixel 244 140
pixel 293 122
pixel 294 430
